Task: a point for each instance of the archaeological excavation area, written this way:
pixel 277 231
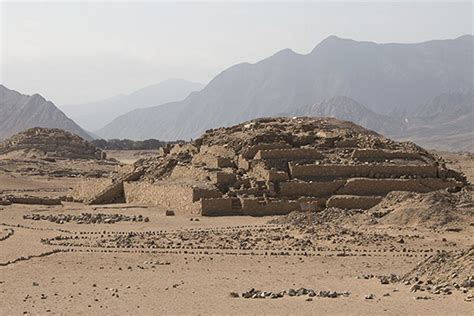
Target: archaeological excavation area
pixel 272 216
pixel 274 167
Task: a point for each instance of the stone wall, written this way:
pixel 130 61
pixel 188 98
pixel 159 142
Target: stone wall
pixel 291 154
pixel 213 161
pixel 250 152
pixel 380 154
pixel 219 207
pixel 85 189
pixel 205 192
pixel 316 189
pixel 179 197
pixel 190 172
pixel 223 178
pixel 258 207
pixel 363 186
pixel 370 171
pixel 353 202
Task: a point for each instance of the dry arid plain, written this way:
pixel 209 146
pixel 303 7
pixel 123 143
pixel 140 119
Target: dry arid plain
pixel 412 253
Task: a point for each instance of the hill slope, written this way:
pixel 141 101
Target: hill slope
pixel 380 76
pixel 347 109
pixel 19 112
pixel 445 122
pixel 95 115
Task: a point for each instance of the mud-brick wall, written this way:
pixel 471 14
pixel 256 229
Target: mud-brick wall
pixel 190 172
pixel 255 207
pixel 178 197
pixel 380 154
pixel 261 173
pixel 363 186
pixel 353 202
pixel 223 178
pixel 219 207
pixel 89 188
pixel 316 189
pixel 205 193
pixel 212 161
pixel 293 153
pixel 346 171
pixel 250 152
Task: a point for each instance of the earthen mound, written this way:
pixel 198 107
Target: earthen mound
pixel 446 267
pixel 50 143
pixel 438 209
pixel 274 166
pixel 329 215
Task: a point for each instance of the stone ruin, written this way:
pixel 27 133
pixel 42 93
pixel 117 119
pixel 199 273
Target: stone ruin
pixel 274 166
pixel 51 143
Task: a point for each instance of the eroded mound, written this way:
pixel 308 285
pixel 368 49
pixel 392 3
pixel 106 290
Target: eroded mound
pixel 50 143
pixel 454 267
pixel 438 209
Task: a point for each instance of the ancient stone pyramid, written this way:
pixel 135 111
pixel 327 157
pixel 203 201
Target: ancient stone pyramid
pixel 278 165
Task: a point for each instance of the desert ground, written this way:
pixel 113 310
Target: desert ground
pixel 133 259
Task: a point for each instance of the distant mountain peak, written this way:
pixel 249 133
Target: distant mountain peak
pixel 379 76
pixel 20 112
pixel 95 115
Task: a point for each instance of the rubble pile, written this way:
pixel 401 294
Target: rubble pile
pixel 439 209
pixel 274 166
pixel 444 272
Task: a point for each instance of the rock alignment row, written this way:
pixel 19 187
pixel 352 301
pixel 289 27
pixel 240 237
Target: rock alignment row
pixel 258 294
pixel 87 218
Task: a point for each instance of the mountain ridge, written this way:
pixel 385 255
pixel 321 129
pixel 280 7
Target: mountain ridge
pixel 371 73
pixel 19 112
pixel 94 115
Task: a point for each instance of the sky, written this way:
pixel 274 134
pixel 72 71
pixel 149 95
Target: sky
pixel 77 52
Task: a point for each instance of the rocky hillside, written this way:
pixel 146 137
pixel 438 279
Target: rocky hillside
pixel 383 77
pixel 51 143
pixel 443 123
pixel 95 115
pixel 347 109
pixel 19 112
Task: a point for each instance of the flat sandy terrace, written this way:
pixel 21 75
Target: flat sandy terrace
pixel 193 276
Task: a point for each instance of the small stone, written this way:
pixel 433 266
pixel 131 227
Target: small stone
pixel 369 296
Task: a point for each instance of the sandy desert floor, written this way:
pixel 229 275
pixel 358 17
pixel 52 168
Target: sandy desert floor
pixel 187 264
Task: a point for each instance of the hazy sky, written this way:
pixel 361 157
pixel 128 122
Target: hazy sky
pixel 78 52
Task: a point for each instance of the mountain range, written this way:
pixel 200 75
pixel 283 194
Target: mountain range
pixel 420 92
pixel 94 115
pixel 388 79
pixel 19 112
pixel 446 122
